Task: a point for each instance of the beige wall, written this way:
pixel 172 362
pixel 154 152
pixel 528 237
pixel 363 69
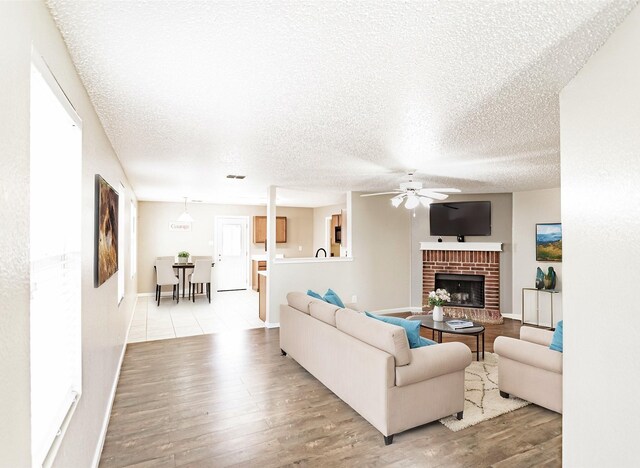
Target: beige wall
pixel 155 239
pixel 378 274
pixel 104 322
pixel 501 214
pixel 299 232
pixel 600 148
pixel 529 209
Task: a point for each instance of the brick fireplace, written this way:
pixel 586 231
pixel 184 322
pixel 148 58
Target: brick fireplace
pixel 448 259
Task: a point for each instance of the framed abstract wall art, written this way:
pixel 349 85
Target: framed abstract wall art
pixel 549 242
pixel 106 214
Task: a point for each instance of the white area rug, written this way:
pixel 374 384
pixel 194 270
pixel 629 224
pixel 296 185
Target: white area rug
pixel 482 397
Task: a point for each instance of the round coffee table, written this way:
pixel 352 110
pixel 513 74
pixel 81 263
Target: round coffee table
pixel 438 328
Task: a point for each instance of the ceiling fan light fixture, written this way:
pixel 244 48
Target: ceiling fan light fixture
pixel 412 202
pixel 425 201
pixel 396 201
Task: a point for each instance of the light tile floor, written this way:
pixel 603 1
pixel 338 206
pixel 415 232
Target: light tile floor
pixel 228 311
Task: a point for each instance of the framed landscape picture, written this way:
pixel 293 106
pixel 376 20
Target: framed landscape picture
pixel 549 242
pixel 106 260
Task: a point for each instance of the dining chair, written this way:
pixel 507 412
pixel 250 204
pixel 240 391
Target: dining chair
pixel 195 258
pixel 166 276
pixel 201 275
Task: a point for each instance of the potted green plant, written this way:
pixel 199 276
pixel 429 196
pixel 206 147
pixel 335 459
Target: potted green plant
pixel 183 257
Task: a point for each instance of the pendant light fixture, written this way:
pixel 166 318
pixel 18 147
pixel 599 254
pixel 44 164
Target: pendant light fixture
pixel 185 217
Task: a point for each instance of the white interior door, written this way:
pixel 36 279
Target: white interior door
pixel 232 252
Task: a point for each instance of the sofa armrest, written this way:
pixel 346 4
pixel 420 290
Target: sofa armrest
pixel 432 361
pixel 532 354
pixel 536 335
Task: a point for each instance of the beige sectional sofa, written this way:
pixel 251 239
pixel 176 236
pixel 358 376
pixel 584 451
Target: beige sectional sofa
pixel 369 365
pixel 528 369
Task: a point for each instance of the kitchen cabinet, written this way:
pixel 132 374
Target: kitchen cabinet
pixel 260 229
pixel 336 235
pixel 262 298
pixel 256 266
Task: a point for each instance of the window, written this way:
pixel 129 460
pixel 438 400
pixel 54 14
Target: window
pixel 55 261
pixel 121 243
pixel 134 239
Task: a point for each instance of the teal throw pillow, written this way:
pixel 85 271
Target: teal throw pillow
pixel 412 327
pixel 556 341
pixel 314 294
pixel 426 342
pixel 332 298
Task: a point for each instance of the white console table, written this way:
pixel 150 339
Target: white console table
pixel 551 292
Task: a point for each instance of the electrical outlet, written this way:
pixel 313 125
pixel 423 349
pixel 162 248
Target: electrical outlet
pixel 354 299
pixel 299 248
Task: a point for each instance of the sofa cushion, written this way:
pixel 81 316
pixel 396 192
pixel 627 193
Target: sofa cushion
pixel 300 301
pixel 324 311
pixel 332 298
pixel 384 336
pixel 412 327
pixel 556 341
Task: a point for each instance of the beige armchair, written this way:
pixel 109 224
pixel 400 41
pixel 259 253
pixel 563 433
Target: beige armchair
pixel 528 369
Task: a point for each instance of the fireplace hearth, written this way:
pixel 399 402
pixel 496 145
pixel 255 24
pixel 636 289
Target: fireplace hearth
pixel 465 290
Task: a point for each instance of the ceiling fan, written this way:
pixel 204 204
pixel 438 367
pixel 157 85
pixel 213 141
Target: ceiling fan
pixel 415 194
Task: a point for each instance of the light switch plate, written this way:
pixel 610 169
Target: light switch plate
pixel 354 298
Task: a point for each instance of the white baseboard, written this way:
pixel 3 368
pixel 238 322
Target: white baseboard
pixel 413 310
pixel 513 316
pixel 112 396
pixel 272 325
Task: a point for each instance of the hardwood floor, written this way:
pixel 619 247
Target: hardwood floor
pixel 232 399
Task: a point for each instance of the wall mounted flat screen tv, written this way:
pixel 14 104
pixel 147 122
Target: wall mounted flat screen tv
pixel 460 219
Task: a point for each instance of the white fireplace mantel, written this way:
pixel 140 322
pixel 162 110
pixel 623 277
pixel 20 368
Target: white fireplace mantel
pixel 463 246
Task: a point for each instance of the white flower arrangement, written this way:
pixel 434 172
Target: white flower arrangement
pixel 439 297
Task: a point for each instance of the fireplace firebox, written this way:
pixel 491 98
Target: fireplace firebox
pixel 465 290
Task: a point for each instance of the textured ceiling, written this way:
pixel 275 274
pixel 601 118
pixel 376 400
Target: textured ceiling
pixel 332 96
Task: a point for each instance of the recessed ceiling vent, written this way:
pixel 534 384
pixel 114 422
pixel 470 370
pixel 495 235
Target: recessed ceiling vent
pixel 231 176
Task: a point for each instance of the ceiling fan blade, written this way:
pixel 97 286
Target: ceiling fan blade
pixel 381 193
pixel 443 190
pixel 430 194
pixel 425 201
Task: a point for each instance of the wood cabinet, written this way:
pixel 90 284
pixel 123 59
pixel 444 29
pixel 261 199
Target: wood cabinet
pixel 262 298
pixel 336 225
pixel 256 266
pixel 260 229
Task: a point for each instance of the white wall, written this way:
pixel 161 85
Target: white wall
pixel 531 208
pixel 104 323
pixel 155 239
pixel 600 148
pixel 379 272
pixel 501 212
pixel 15 403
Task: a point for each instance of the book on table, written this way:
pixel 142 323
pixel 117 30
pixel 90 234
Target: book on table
pixel 459 324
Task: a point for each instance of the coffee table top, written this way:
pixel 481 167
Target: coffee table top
pixel 428 322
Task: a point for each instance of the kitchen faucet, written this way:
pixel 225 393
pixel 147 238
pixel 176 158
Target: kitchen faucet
pixel 318 251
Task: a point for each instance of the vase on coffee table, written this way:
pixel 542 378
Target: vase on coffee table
pixel 438 314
